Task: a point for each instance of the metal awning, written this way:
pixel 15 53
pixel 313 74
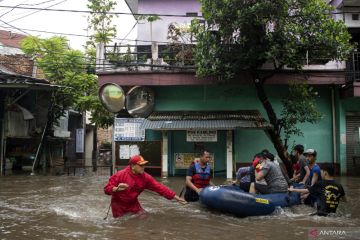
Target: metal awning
pixel 10 80
pixel 219 120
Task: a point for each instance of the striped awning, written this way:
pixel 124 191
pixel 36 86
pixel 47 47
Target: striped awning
pixel 219 120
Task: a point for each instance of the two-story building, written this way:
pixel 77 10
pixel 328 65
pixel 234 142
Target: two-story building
pixel 190 113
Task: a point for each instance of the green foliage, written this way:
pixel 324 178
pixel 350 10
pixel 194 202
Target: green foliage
pixel 149 18
pixel 100 21
pixel 68 68
pixel 179 51
pixel 121 58
pixel 243 35
pixel 105 145
pixel 298 107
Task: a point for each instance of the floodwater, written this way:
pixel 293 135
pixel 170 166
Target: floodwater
pixel 73 207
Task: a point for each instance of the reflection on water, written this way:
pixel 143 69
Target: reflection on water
pixel 49 207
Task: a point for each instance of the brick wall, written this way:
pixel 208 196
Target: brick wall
pixel 104 135
pixel 17 63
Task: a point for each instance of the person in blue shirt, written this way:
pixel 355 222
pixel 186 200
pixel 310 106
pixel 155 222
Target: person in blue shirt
pixel 315 173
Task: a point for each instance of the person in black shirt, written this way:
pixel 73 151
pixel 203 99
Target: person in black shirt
pixel 328 192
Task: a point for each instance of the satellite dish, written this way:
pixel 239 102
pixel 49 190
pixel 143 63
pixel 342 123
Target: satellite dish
pixel 112 97
pixel 140 101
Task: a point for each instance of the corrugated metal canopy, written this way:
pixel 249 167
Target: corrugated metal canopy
pixel 14 81
pixel 220 120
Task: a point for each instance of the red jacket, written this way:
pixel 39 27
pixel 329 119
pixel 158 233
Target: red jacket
pixel 127 200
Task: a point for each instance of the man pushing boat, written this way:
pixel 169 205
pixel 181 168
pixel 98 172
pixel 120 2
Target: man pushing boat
pixel 126 185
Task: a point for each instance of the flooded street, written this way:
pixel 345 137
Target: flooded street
pixel 73 207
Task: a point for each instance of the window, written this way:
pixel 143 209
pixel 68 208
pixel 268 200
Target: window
pixel 355 17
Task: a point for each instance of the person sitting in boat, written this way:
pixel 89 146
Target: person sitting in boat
pixel 246 175
pixel 276 160
pixel 198 176
pixel 271 172
pixel 328 192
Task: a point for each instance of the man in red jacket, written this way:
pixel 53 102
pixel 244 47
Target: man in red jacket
pixel 126 185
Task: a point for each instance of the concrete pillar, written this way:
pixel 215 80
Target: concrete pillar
pixel 164 154
pixel 100 56
pixel 229 154
pixel 89 147
pixel 154 51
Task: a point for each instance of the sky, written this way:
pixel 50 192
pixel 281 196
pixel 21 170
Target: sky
pixel 33 22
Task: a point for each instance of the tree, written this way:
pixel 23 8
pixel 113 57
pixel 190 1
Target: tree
pixel 68 68
pixel 243 35
pixel 103 31
pixel 100 21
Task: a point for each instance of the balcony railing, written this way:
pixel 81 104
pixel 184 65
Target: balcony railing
pixel 353 68
pixel 179 57
pixel 150 57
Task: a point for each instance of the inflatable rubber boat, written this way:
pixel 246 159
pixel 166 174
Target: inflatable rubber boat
pixel 232 199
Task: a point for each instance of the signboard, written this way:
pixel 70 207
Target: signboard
pixel 134 150
pixel 184 160
pixel 79 140
pixel 124 152
pixel 201 136
pixel 128 129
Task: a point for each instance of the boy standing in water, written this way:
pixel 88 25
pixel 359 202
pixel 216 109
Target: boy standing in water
pixel 328 192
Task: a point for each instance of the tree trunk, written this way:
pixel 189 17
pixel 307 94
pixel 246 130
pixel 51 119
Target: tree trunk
pixel 273 133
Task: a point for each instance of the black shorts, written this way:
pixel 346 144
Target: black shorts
pixel 191 195
pixel 245 186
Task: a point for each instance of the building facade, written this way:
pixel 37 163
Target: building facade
pixel 23 85
pixel 191 114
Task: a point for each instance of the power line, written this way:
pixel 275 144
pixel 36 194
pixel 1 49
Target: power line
pixel 130 31
pixel 79 35
pixel 123 13
pixel 111 13
pixel 35 12
pixel 12 9
pixel 14 27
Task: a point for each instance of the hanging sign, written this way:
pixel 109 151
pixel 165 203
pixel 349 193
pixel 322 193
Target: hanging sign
pixel 79 140
pixel 128 129
pixel 201 136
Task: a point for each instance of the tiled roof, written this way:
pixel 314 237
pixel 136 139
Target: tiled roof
pixel 10 39
pixel 220 120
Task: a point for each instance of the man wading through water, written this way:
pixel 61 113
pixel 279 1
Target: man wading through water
pixel 197 177
pixel 126 185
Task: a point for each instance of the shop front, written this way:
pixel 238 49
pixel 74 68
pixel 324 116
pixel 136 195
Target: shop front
pixel 185 134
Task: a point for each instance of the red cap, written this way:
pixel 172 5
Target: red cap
pixel 256 161
pixel 137 159
pixel 256 164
